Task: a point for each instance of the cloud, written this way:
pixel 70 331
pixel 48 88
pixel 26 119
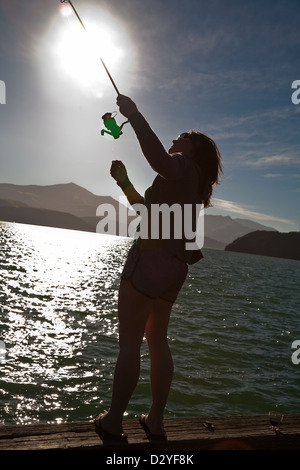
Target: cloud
pixel 272 160
pixel 273 175
pixel 252 121
pixel 281 175
pixel 231 206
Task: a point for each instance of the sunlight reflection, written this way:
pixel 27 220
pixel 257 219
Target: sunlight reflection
pixel 58 314
pixel 61 272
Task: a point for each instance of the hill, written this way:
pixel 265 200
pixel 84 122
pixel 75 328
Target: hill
pixel 279 245
pixel 68 197
pixel 82 204
pixel 224 229
pixel 44 217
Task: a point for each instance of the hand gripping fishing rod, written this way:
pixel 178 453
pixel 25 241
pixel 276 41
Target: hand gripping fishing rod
pixel 109 121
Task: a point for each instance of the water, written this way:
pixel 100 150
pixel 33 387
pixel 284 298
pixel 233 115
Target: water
pixel 231 330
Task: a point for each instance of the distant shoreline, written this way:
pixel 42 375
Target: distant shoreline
pixel 69 206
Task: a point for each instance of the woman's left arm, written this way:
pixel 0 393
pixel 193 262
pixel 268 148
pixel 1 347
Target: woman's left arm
pixel 119 173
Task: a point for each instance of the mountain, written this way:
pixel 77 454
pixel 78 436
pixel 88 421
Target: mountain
pixel 213 244
pixel 224 229
pixel 34 216
pixel 8 203
pixel 279 245
pixel 74 200
pixel 59 197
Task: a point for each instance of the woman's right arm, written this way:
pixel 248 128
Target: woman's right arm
pixel 160 161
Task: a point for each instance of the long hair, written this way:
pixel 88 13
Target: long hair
pixel 208 158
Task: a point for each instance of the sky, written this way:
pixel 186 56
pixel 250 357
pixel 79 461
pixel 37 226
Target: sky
pixel 225 68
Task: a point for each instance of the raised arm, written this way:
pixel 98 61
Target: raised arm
pixel 160 160
pixel 119 173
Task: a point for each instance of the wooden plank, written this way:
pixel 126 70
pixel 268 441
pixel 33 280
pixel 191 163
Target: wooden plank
pixel 198 433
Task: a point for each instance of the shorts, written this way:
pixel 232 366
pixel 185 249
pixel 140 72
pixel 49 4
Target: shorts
pixel 155 273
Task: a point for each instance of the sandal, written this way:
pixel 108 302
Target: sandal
pixel 106 437
pixel 150 436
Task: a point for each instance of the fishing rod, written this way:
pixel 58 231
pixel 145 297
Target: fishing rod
pixel 82 24
pixel 108 119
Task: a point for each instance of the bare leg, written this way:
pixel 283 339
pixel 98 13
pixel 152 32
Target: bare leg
pixel 134 309
pixel 161 362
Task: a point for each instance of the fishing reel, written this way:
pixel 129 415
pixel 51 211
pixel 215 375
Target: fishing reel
pixel 110 123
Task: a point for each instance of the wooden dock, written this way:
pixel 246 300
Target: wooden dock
pixel 193 434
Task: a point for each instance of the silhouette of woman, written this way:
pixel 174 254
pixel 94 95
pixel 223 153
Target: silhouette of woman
pixel 155 269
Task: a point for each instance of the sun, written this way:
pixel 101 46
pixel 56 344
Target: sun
pixel 79 52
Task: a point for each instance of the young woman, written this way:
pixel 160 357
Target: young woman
pixel 156 268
